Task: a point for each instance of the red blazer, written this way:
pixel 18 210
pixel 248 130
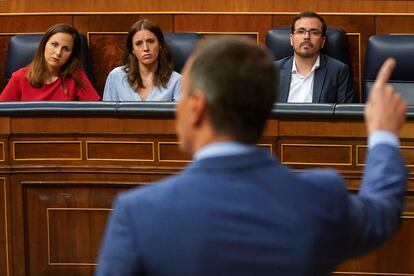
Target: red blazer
pixel 20 89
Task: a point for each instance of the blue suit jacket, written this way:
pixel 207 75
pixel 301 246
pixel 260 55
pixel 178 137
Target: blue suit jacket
pixel 249 215
pixel 332 81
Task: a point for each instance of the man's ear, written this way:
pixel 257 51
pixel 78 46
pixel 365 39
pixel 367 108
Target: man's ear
pixel 198 107
pixel 323 42
pixel 291 38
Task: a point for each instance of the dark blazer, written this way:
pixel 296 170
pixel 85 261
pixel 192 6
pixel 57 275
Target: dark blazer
pixel 332 81
pixel 249 215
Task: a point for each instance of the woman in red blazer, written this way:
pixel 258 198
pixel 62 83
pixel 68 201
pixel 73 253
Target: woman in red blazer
pixel 55 73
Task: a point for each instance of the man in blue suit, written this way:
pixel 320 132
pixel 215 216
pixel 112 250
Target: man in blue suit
pixel 308 75
pixel 236 210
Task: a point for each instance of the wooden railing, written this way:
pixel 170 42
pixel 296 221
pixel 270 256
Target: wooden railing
pixel 61 164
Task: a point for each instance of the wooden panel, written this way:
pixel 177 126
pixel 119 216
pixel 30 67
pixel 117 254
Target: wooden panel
pixel 47 150
pixel 120 151
pixel 357 63
pixel 406 131
pixel 407 152
pixel 361 152
pixel 72 193
pixel 74 235
pixel 385 24
pixel 31 23
pixel 384 6
pixel 268 147
pixel 395 257
pixel 271 128
pixel 64 224
pixel 119 22
pixel 409 203
pixel 282 20
pixel 5 125
pixel 321 128
pixel 316 154
pixel 52 125
pixel 5 255
pixel 3 158
pixel 32 193
pixel 4 46
pixel 232 24
pixel 254 36
pixel 106 53
pixel 169 152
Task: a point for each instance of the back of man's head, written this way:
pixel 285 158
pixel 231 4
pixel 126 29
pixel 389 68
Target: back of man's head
pixel 239 81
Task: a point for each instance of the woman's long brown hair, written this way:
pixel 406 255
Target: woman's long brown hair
pixel 38 69
pixel 129 60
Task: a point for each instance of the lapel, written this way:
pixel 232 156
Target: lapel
pixel 319 80
pixel 284 80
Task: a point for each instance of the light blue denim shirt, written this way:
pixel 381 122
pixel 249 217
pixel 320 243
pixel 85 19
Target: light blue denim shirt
pixel 117 88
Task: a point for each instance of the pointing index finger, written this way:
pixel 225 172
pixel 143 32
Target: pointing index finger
pixel 385 72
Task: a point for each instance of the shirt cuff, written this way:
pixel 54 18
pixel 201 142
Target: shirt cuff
pixel 383 137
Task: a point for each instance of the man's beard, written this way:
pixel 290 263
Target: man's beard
pixel 306 54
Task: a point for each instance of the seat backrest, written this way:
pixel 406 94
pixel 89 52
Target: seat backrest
pixel 336 45
pixel 181 45
pixel 22 48
pixel 20 52
pixel 400 47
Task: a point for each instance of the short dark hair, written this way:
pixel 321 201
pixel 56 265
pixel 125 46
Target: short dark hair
pixel 165 64
pixel 309 14
pixel 239 82
pixel 38 67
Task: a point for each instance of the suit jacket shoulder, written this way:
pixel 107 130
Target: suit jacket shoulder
pixel 284 69
pixel 332 82
pixel 286 61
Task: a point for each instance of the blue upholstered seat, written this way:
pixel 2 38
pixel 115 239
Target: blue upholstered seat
pixel 22 48
pixel 181 45
pixel 400 47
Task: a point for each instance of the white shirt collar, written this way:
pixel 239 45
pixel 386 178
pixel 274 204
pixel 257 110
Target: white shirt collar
pixel 225 148
pixel 314 67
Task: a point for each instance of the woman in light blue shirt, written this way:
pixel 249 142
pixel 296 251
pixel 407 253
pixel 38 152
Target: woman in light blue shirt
pixel 147 71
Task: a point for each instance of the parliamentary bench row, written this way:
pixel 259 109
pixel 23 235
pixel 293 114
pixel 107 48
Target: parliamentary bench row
pixel 22 47
pixel 166 110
